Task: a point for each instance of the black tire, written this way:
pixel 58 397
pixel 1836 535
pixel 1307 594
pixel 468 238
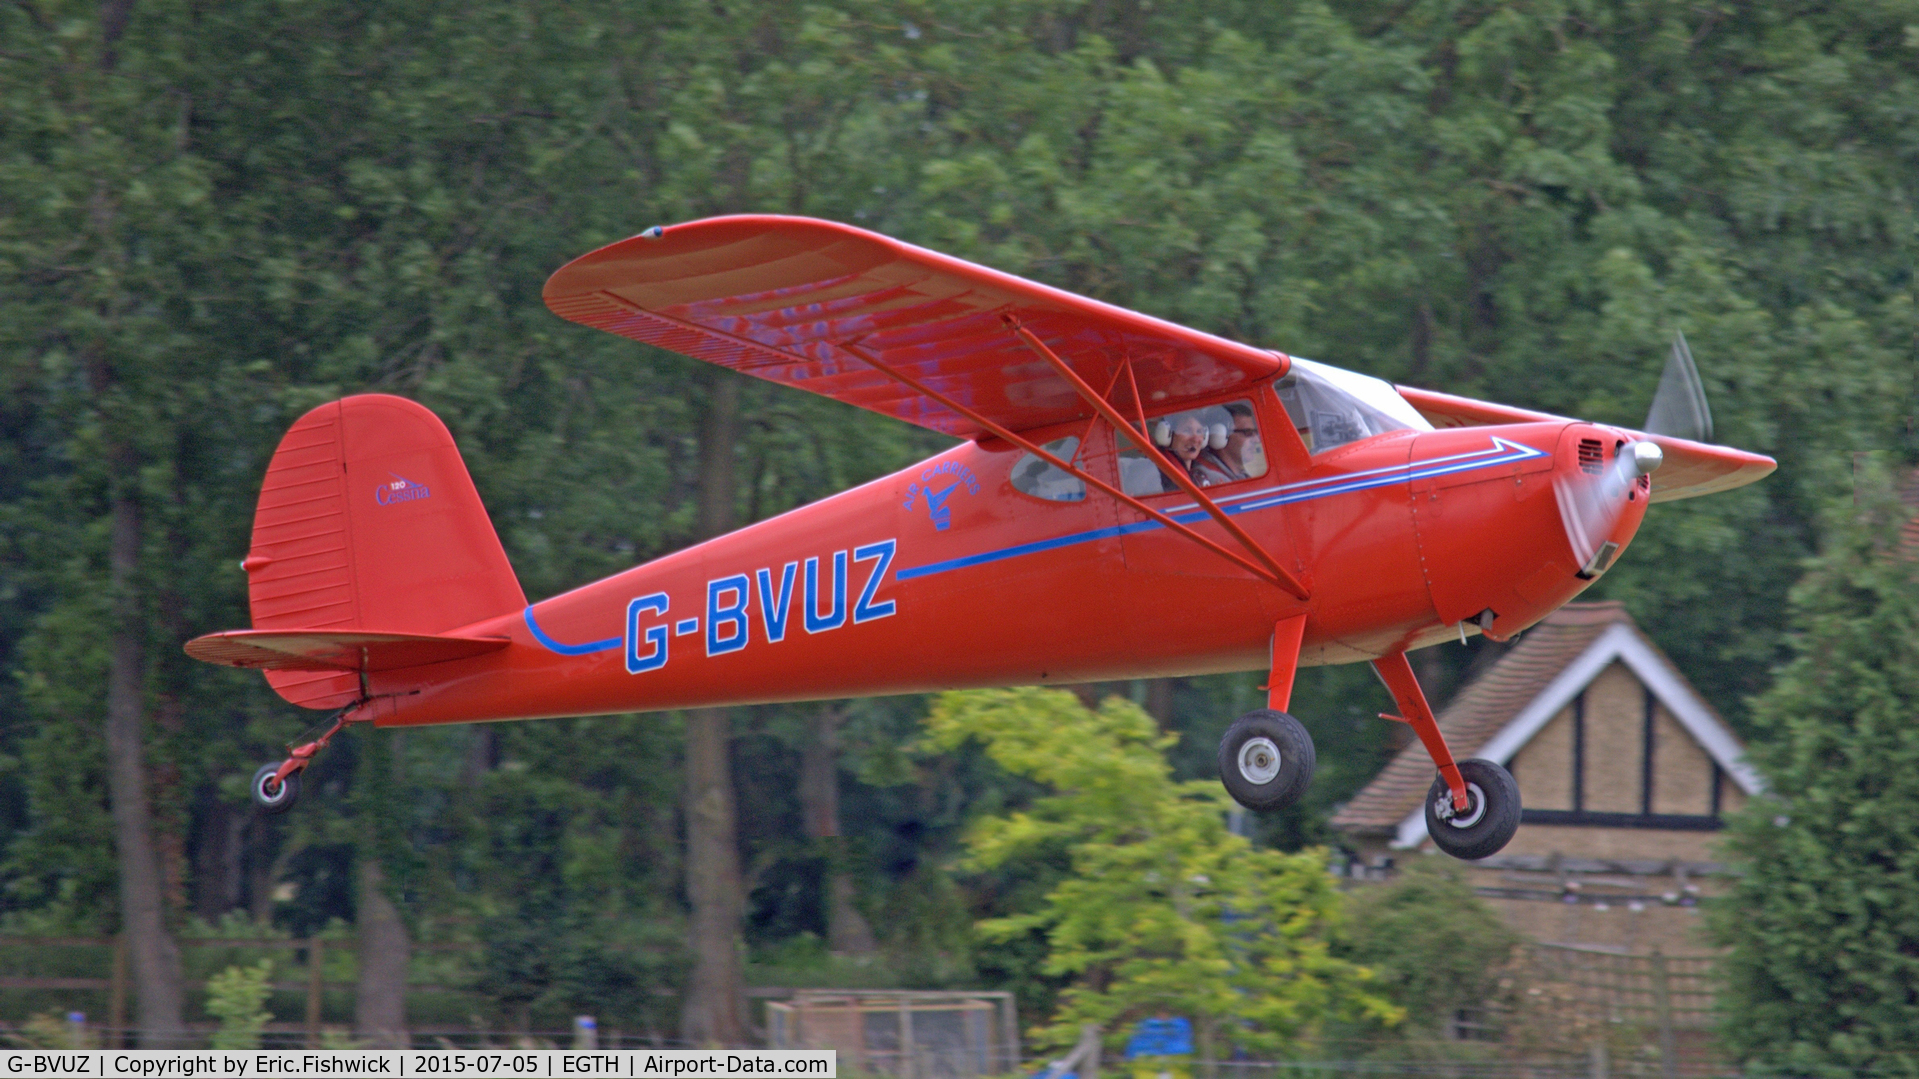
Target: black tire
pixel 1266 760
pixel 1491 816
pixel 284 794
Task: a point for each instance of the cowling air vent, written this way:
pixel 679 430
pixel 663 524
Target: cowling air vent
pixel 1592 455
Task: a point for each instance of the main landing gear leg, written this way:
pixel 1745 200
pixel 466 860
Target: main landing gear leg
pixel 1473 808
pixel 277 786
pixel 1266 758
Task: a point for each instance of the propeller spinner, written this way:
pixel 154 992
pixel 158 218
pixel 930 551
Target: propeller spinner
pixel 1592 500
pixel 1590 505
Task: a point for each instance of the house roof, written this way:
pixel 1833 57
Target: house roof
pixel 1498 712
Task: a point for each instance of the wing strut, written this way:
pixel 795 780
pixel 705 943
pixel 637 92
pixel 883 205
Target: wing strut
pixel 1404 686
pixel 1067 466
pixel 1275 572
pixel 1271 571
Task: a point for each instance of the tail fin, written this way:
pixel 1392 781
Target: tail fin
pixel 368 521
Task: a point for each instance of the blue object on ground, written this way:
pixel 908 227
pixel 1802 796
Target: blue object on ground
pixel 1161 1038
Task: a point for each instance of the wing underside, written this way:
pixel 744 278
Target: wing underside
pixel 798 301
pixel 805 303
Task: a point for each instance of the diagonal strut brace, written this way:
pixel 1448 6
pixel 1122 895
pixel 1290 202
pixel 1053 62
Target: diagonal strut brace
pixel 1107 412
pixel 1064 466
pixel 1271 572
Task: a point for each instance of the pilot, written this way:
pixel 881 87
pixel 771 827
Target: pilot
pixel 1242 451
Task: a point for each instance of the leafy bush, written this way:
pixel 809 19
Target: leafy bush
pixel 237 997
pixel 51 1030
pixel 1431 944
pixel 1162 910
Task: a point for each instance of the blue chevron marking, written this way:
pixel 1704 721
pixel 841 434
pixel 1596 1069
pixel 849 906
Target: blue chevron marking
pixel 550 644
pixel 1501 452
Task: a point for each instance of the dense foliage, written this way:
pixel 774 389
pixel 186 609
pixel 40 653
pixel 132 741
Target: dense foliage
pixel 1158 910
pixel 1822 976
pixel 1432 946
pixel 213 217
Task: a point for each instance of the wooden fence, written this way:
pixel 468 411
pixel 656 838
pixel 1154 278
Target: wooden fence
pixel 311 952
pixel 1577 1002
pixel 1630 1013
pixel 1651 989
pixel 903 1033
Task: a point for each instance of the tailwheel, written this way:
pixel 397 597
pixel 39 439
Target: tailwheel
pixel 274 793
pixel 1490 818
pixel 277 786
pixel 1266 760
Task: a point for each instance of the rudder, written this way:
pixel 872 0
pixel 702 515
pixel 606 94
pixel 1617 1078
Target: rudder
pixel 368 520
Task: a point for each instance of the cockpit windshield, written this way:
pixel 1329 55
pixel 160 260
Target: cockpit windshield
pixel 1332 407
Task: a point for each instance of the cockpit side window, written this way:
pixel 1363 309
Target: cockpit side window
pixel 1214 445
pixel 1331 407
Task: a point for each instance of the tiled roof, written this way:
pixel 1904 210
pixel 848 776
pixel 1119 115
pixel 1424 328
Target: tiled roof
pixel 1480 711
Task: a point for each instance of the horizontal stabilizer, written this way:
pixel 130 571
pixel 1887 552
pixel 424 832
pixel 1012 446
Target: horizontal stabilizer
pixel 331 650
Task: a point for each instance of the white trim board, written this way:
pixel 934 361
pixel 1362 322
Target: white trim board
pixel 1618 642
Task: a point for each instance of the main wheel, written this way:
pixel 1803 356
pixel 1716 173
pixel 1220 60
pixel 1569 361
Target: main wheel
pixel 1490 818
pixel 1266 760
pixel 275 798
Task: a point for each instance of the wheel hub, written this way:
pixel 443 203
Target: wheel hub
pixel 1475 807
pixel 1259 760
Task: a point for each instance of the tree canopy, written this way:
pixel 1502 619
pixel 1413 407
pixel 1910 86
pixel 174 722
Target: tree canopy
pixel 1821 979
pixel 1159 909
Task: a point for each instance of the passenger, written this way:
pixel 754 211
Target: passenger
pixel 1188 439
pixel 1212 467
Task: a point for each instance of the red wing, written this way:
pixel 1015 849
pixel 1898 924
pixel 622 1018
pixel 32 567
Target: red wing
pixel 335 650
pixel 1691 468
pixel 775 296
pixel 1447 410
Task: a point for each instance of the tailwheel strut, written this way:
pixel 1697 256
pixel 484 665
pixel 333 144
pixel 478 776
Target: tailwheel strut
pixel 277 786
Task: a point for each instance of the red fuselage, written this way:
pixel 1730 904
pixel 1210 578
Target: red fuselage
pixel 945 576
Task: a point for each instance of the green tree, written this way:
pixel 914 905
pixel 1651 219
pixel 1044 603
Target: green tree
pixel 237 997
pixel 1161 909
pixel 1822 977
pixel 1431 944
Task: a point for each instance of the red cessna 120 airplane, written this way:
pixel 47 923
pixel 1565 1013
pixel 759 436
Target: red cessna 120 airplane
pixel 1131 499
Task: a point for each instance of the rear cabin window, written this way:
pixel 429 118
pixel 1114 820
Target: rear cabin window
pixel 1213 445
pixel 1036 477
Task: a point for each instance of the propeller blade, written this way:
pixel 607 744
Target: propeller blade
pixel 1590 504
pixel 1679 406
